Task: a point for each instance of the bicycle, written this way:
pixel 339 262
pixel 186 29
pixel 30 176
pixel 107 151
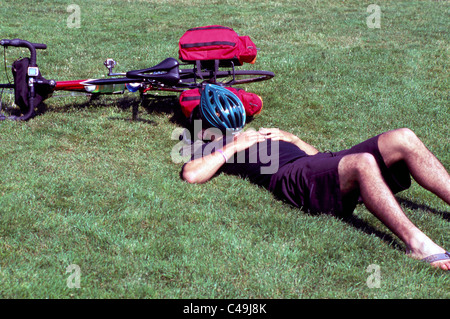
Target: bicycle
pixel 31 88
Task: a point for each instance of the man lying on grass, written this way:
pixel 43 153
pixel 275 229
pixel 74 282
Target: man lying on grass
pixel 323 182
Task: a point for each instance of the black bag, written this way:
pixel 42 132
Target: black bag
pixel 21 88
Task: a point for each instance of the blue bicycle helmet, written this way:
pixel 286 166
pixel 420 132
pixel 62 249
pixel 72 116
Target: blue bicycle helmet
pixel 222 109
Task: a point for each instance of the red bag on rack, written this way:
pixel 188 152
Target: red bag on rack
pixel 252 102
pixel 216 42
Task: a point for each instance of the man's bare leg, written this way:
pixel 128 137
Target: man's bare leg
pixel 425 168
pixel 362 171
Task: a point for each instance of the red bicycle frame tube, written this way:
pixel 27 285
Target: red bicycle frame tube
pixel 77 85
pixel 96 85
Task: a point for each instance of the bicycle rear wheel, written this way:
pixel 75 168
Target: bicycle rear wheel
pixel 190 79
pixel 243 76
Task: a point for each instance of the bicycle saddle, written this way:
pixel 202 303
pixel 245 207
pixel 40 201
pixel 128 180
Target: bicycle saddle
pixel 166 72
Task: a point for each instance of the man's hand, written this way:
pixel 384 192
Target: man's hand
pixel 278 135
pixel 246 139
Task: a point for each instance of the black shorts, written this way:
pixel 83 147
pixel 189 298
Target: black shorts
pixel 312 182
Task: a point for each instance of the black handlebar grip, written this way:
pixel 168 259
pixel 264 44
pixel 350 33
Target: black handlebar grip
pixel 4 42
pixel 22 43
pixel 13 42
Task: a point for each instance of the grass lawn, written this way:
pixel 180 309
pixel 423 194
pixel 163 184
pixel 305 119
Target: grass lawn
pixel 81 184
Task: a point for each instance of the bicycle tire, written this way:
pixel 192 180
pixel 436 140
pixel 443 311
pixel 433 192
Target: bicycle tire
pixel 245 76
pixel 188 78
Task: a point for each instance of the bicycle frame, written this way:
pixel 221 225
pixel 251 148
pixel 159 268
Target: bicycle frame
pixel 162 76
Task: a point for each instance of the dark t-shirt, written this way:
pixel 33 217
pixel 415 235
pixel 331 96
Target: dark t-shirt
pixel 257 163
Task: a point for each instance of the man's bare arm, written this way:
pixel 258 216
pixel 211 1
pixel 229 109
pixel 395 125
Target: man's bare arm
pixel 277 134
pixel 201 170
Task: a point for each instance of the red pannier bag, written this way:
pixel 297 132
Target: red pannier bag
pixel 189 100
pixel 252 102
pixel 216 42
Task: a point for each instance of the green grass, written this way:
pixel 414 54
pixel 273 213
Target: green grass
pixel 83 184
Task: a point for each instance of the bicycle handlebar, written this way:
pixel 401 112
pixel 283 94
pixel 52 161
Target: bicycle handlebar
pixel 25 44
pixel 32 48
pixel 20 43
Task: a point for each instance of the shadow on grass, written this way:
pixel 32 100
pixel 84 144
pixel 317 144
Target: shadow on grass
pixel 365 227
pixel 137 106
pixel 150 104
pixel 409 204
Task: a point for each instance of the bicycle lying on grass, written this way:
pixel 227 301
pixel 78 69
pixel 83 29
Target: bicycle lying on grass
pixel 31 88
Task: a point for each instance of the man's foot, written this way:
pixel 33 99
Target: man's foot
pixel 426 250
pixel 439 260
